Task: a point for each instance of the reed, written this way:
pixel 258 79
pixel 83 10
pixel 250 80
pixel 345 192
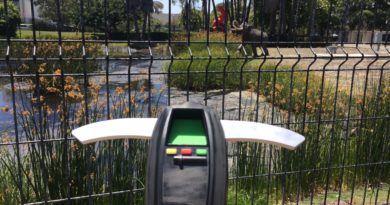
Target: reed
pixel 53 169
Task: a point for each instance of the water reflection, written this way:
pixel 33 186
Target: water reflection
pixel 118 77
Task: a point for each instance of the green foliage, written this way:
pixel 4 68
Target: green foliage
pixel 243 197
pixel 196 81
pixel 369 14
pixel 326 144
pixel 94 15
pixel 286 88
pixel 28 34
pixel 9 193
pixel 13 19
pixel 328 14
pixel 194 19
pixel 89 165
pixel 69 11
pixel 99 16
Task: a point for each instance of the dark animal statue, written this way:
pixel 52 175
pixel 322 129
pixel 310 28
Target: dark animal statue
pixel 250 34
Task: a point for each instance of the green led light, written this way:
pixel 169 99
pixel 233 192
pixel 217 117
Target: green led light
pixel 201 152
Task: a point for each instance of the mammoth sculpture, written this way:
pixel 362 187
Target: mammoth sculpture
pixel 250 34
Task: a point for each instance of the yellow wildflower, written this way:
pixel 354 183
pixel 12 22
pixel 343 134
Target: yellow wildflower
pixel 119 90
pixel 279 87
pixel 5 109
pixel 42 67
pixel 52 90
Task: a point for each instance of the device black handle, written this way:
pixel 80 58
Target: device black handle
pixel 189 160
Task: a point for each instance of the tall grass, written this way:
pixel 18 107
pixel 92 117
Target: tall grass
pixel 344 148
pixel 64 168
pixel 9 193
pixel 327 160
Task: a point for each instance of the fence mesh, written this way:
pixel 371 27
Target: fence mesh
pixel 318 67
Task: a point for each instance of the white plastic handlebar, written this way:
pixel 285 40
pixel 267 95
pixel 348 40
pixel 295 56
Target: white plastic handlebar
pixel 142 128
pixel 126 128
pixel 243 131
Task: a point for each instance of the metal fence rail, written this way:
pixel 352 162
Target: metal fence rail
pixel 326 77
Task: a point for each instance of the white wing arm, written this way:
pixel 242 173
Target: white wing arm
pixel 258 132
pixel 130 128
pixel 142 128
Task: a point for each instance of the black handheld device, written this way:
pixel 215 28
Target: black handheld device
pixel 187 160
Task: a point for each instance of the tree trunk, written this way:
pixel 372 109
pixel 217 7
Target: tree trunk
pixel 272 22
pixel 238 10
pixel 255 14
pixel 145 20
pixel 291 20
pixel 270 8
pixel 136 24
pixel 204 11
pixel 312 18
pixel 282 14
pixel 231 12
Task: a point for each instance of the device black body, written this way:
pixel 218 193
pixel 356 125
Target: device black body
pixel 187 178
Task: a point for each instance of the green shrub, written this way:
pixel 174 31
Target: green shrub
pixel 13 19
pixel 243 197
pixel 194 19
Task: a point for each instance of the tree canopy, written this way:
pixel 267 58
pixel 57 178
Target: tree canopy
pixel 281 18
pixel 311 17
pixel 101 15
pixel 13 19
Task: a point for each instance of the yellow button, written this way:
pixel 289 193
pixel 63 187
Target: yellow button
pixel 171 151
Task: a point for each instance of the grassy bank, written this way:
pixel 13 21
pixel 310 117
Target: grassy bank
pixel 28 34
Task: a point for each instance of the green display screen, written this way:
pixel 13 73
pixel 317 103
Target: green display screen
pixel 187 132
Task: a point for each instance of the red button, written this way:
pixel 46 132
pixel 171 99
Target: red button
pixel 186 151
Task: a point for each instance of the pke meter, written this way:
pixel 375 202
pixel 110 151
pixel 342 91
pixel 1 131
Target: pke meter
pixel 187 162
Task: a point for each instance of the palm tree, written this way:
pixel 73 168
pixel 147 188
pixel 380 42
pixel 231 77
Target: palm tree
pixel 157 7
pixel 134 6
pixel 147 7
